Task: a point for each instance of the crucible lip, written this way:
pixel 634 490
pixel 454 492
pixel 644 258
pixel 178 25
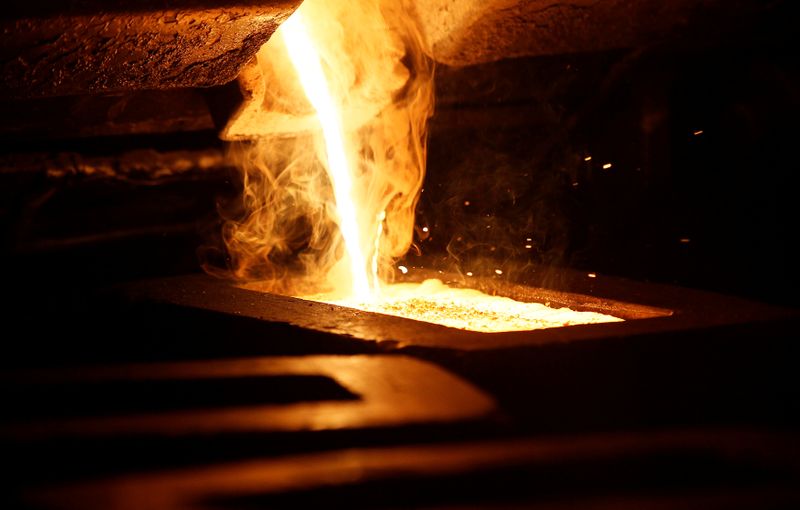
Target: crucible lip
pixel 649 309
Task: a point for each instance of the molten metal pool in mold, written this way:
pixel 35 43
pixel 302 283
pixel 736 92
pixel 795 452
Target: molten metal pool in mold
pixel 644 308
pixel 434 302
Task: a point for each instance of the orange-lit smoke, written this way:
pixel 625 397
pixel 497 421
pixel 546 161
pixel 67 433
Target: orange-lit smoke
pixel 334 155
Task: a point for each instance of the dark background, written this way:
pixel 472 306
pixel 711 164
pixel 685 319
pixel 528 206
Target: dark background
pixel 701 136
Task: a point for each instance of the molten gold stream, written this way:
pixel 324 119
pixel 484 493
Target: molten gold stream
pixel 306 62
pixel 358 112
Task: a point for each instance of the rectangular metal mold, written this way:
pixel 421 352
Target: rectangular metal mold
pixel 647 309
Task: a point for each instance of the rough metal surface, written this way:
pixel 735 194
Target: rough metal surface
pixel 132 113
pixel 91 47
pixel 146 166
pixel 466 32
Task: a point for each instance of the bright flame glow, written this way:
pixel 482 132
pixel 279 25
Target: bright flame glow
pixel 306 62
pixel 376 253
pixel 360 67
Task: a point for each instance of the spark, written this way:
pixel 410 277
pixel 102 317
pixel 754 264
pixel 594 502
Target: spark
pixel 498 271
pixel 424 229
pixel 469 273
pixel 606 166
pixel 698 132
pixel 587 158
pixel 403 269
pixel 592 275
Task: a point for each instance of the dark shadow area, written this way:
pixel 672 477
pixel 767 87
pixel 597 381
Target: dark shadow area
pixel 29 400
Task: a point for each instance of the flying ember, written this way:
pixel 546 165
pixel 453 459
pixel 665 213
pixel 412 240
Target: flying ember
pixel 357 93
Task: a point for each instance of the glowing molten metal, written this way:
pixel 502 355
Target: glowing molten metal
pixel 361 69
pixel 306 62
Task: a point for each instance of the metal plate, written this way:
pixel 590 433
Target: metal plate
pixel 391 391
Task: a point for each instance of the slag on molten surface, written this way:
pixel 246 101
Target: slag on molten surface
pixel 433 301
pixel 368 94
